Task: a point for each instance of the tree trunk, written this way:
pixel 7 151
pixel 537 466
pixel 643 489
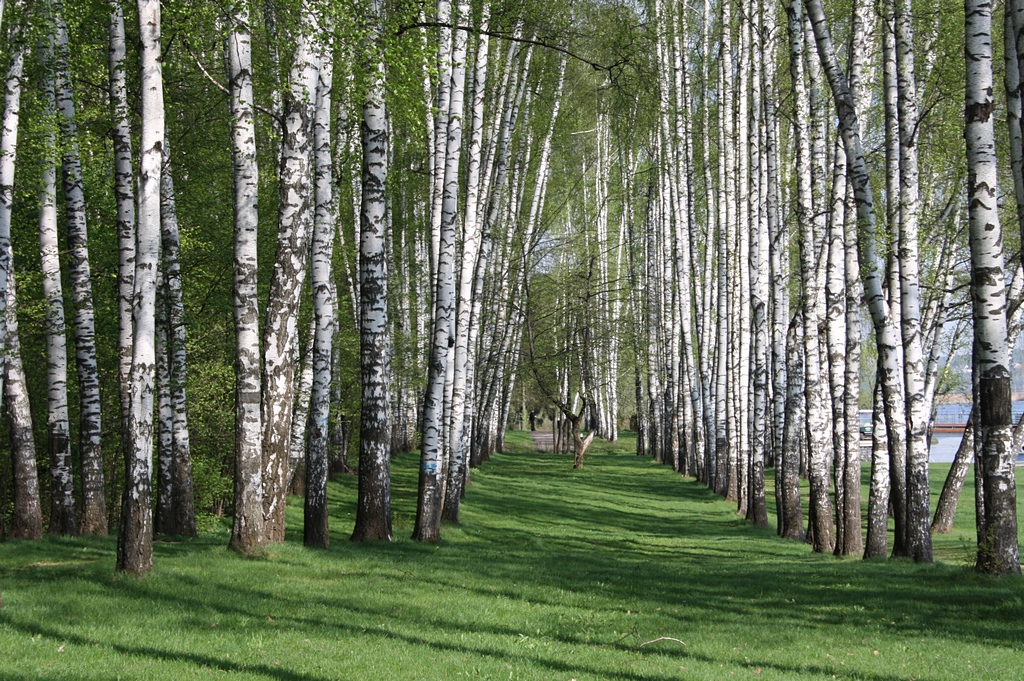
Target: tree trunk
pixel 817 429
pixel 94 505
pixel 295 217
pixel 876 545
pixel 998 551
pixel 124 198
pixel 8 155
pixel 315 525
pixel 963 461
pixel 62 504
pixel 373 513
pixel 135 537
pixel 787 471
pixel 27 520
pixel 247 535
pixel 183 523
pixel 919 543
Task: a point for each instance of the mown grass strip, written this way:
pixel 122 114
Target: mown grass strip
pixel 622 570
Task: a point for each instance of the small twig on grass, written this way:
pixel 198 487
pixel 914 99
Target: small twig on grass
pixel 635 633
pixel 662 638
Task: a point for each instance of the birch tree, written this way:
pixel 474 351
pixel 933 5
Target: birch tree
pixel 817 430
pixel 435 445
pixel 135 537
pixel 124 198
pixel 94 511
pixel 295 212
pixel 8 155
pixel 998 551
pixel 373 511
pixel 27 520
pixel 62 502
pixel 247 535
pixel 315 527
pixel 183 503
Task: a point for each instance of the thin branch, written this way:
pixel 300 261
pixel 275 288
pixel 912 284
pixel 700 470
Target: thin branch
pixel 529 41
pixel 220 86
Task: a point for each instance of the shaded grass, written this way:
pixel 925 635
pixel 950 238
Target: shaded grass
pixel 553 574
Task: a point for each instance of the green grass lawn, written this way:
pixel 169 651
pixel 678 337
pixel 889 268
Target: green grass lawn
pixel 554 574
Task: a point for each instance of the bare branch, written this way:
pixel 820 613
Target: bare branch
pixel 529 41
pixel 220 86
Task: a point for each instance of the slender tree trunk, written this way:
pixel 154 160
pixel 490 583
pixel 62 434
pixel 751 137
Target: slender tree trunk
pixel 787 470
pixel 876 545
pixel 247 536
pixel 124 197
pixel 183 502
pixel 373 513
pixel 919 543
pixel 27 520
pixel 94 505
pixel 303 391
pixel 998 550
pixel 163 512
pixel 295 217
pixel 434 447
pixel 963 461
pixel 315 527
pixel 893 399
pixel 8 155
pixel 135 538
pixel 62 504
pixel 817 430
pixel 462 403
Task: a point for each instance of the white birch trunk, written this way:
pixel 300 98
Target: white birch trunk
pixel 8 157
pixel 895 408
pixel 27 519
pixel 295 217
pixel 315 526
pixel 135 539
pixel 998 550
pixel 373 512
pixel 183 505
pixel 247 527
pixel 124 197
pixel 62 505
pixel 919 544
pixel 434 444
pixel 94 505
pixel 885 333
pixel 817 423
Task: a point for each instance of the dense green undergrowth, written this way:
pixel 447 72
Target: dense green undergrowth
pixel 621 570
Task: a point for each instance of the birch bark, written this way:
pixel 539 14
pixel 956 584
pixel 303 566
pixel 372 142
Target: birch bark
pixel 62 503
pixel 247 535
pixel 315 527
pixel 295 212
pixel 817 429
pixel 373 512
pixel 998 550
pixel 94 505
pixel 27 519
pixel 434 444
pixel 135 537
pixel 124 198
pixel 8 157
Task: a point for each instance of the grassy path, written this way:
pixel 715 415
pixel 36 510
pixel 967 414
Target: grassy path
pixel 554 574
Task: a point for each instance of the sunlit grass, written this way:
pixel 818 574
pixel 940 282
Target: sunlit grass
pixel 553 574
